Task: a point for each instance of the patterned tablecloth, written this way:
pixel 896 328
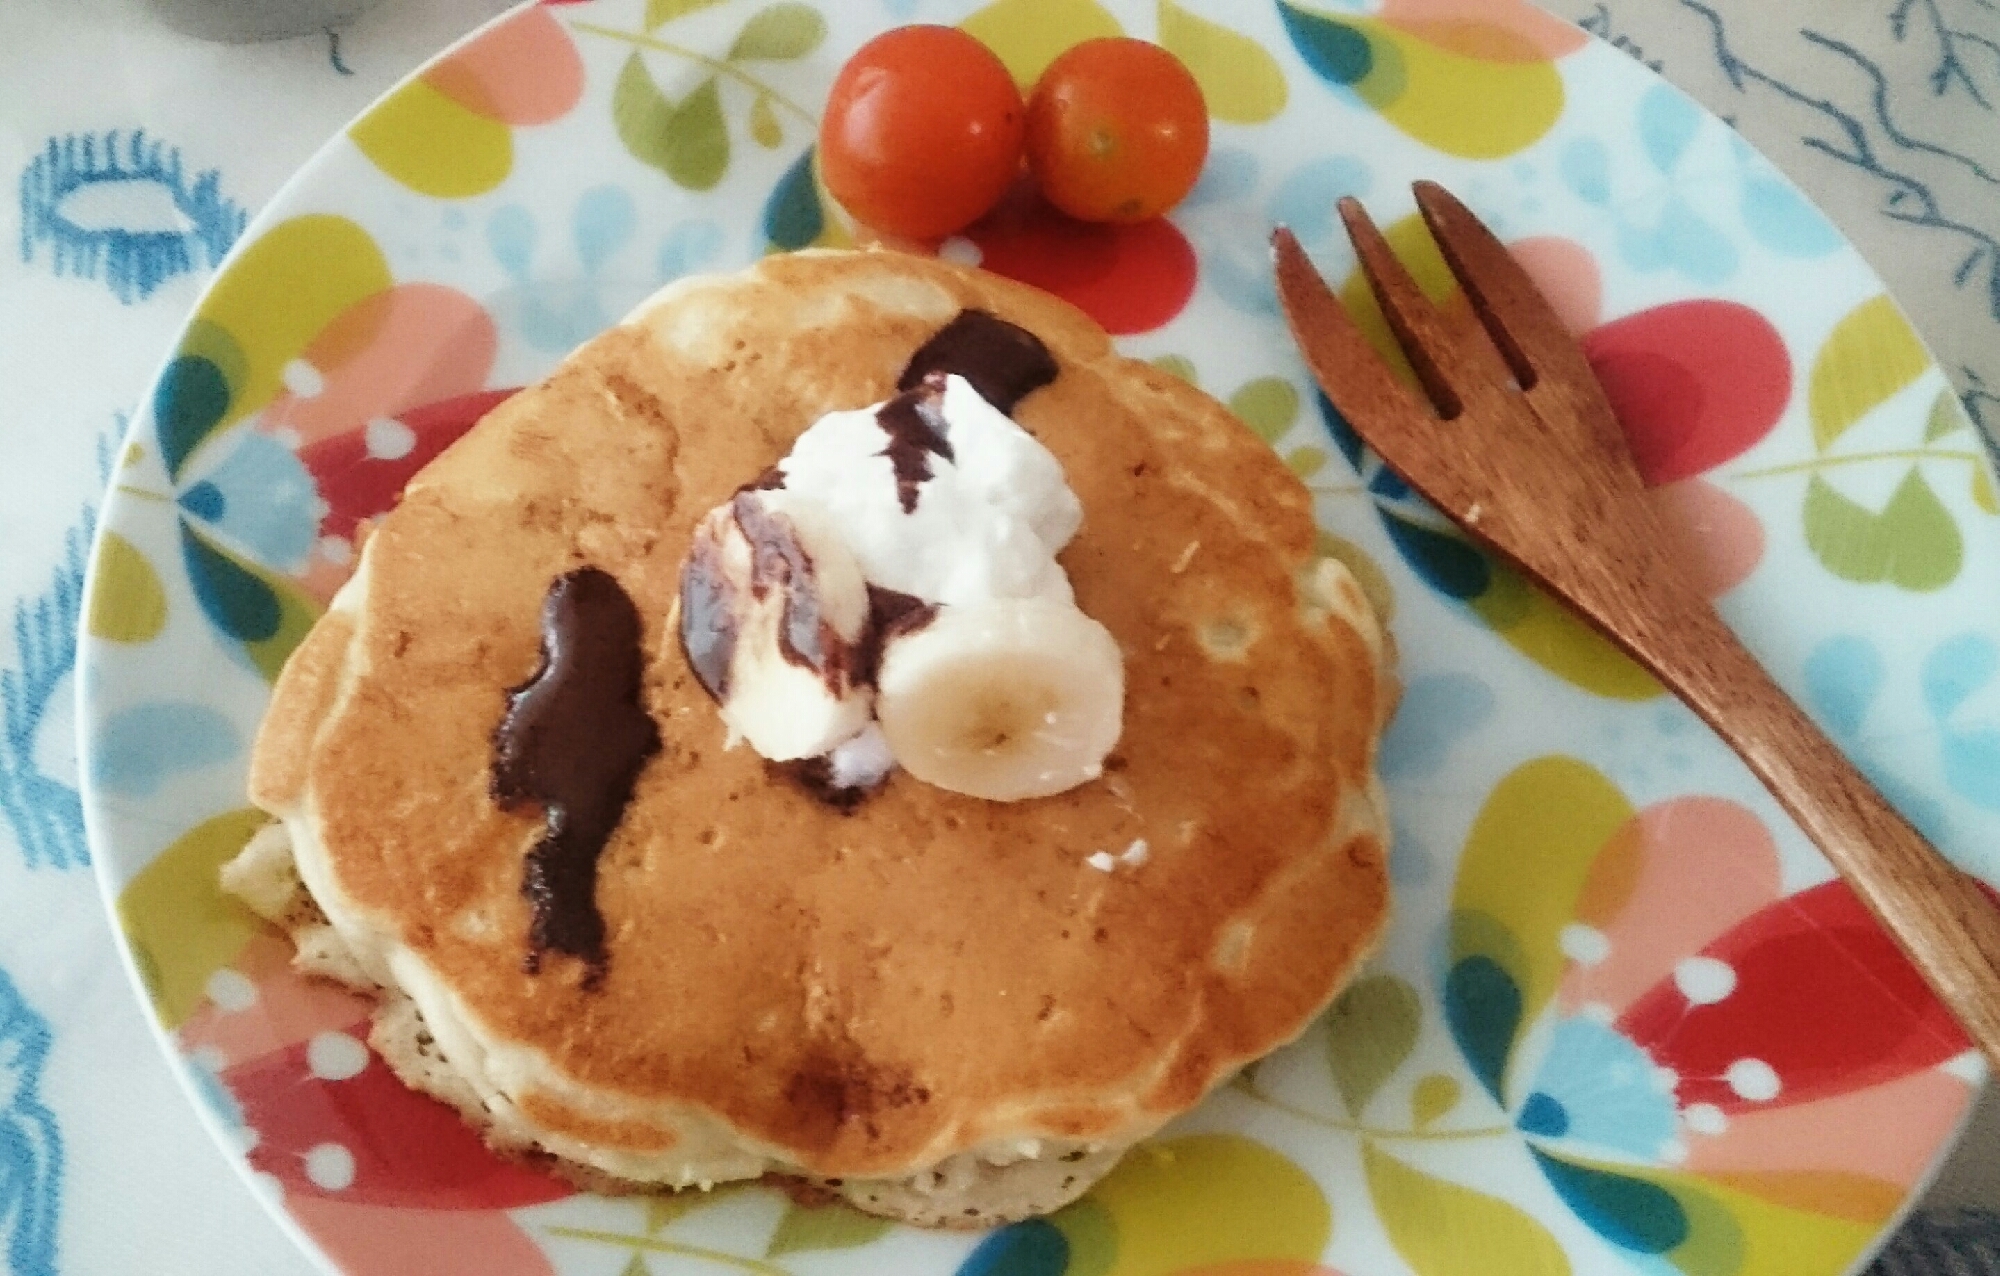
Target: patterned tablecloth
pixel 139 155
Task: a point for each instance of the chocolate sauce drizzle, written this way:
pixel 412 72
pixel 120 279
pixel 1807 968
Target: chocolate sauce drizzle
pixel 1003 361
pixel 709 628
pixel 778 561
pixel 891 614
pixel 708 625
pixel 574 740
pixel 914 422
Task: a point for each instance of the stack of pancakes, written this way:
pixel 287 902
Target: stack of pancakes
pixel 934 1005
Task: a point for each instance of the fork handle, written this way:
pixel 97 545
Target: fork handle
pixel 1947 923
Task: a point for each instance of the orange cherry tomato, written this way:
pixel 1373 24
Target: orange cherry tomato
pixel 922 132
pixel 1117 131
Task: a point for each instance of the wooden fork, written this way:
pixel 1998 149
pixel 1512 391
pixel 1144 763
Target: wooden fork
pixel 1513 440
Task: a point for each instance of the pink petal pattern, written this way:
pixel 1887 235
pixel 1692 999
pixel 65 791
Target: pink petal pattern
pixel 377 1238
pixel 524 71
pixel 289 1008
pixel 1498 30
pixel 1676 876
pixel 409 345
pixel 1567 275
pixel 1889 1132
pixel 1723 538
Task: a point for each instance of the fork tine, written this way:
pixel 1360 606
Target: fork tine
pixel 1352 375
pixel 1529 334
pixel 1448 357
pixel 1411 317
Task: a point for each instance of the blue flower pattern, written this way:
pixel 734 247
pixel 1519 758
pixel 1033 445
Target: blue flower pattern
pixel 556 309
pixel 31 1153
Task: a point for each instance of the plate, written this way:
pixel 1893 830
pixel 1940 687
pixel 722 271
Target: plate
pixel 1624 1020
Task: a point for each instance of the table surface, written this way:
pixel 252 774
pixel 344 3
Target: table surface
pixel 1886 111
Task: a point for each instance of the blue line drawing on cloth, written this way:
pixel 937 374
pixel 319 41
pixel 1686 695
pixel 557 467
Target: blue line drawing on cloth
pixel 1979 401
pixel 118 207
pixel 1950 67
pixel 45 811
pixel 1879 97
pixel 31 1154
pixel 333 52
pixel 1599 23
pixel 1907 199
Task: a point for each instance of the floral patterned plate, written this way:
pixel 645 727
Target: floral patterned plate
pixel 1625 1021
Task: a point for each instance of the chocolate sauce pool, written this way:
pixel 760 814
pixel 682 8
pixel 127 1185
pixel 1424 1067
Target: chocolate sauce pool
pixel 574 740
pixel 1003 361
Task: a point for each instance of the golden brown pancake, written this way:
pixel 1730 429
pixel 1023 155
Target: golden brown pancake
pixel 864 996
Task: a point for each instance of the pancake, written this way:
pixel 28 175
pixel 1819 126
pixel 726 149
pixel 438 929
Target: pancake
pixel 935 1004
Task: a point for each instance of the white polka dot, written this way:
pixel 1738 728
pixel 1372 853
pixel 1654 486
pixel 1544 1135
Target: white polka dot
pixel 337 550
pixel 1584 945
pixel 335 1056
pixel 247 1139
pixel 1753 1079
pixel 1705 1118
pixel 1673 1152
pixel 389 439
pixel 209 1058
pixel 330 1167
pixel 267 1185
pixel 286 436
pixel 961 250
pixel 231 990
pixel 1704 980
pixel 302 379
pixel 1597 1012
pixel 1969 1067
pixel 1666 1080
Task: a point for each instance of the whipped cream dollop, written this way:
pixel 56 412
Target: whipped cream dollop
pixel 890 592
pixel 986 518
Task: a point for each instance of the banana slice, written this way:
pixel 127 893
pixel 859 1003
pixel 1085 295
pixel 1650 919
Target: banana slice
pixel 773 612
pixel 1005 699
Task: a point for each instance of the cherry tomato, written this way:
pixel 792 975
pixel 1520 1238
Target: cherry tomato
pixel 922 132
pixel 1117 131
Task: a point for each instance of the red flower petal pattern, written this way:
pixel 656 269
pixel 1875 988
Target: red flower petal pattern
pixel 368 1138
pixel 358 481
pixel 1815 1000
pixel 1694 383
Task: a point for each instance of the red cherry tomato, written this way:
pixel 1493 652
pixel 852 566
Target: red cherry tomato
pixel 922 132
pixel 1117 131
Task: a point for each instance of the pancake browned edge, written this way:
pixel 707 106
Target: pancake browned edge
pixel 933 1006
